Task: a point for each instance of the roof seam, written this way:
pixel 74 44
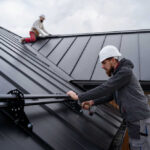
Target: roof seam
pixel 47 90
pixel 43 45
pixel 9 35
pixel 9 31
pixel 139 56
pixel 120 42
pixel 80 56
pixel 97 59
pixel 49 110
pixel 54 47
pixel 51 63
pixel 66 51
pixel 55 65
pixel 13 82
pixel 25 53
pixel 40 68
pixel 9 40
pixel 39 73
pixel 109 113
pixel 110 122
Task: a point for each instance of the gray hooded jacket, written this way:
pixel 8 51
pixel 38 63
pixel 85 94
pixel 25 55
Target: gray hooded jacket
pixel 124 87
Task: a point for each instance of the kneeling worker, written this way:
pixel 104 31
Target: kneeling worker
pixel 125 89
pixel 36 30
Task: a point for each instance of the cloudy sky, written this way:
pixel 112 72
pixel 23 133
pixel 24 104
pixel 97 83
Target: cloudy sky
pixel 75 16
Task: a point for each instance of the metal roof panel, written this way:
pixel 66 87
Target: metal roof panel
pixel 56 125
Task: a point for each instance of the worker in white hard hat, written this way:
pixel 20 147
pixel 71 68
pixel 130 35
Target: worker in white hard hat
pixel 124 88
pixel 107 53
pixel 36 30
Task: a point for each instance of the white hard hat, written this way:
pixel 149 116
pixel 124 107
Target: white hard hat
pixel 43 16
pixel 108 51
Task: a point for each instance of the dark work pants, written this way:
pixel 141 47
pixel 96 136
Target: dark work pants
pixel 143 141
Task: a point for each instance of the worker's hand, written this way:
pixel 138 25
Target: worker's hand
pixel 87 104
pixel 73 95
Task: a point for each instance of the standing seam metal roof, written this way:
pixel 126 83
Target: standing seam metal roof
pixel 55 124
pixel 81 51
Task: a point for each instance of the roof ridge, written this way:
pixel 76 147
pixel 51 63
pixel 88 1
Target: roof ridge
pixel 98 33
pixel 91 33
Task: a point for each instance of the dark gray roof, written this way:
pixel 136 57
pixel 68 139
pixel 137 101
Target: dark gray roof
pixel 22 67
pixel 77 55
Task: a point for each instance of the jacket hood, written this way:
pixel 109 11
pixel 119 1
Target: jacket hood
pixel 127 63
pixel 124 63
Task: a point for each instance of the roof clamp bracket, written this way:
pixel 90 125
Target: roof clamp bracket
pixel 73 105
pixel 15 110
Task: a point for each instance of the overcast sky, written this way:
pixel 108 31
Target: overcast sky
pixel 75 16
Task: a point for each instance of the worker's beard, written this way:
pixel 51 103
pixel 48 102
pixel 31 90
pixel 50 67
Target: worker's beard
pixel 110 71
pixel 41 20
